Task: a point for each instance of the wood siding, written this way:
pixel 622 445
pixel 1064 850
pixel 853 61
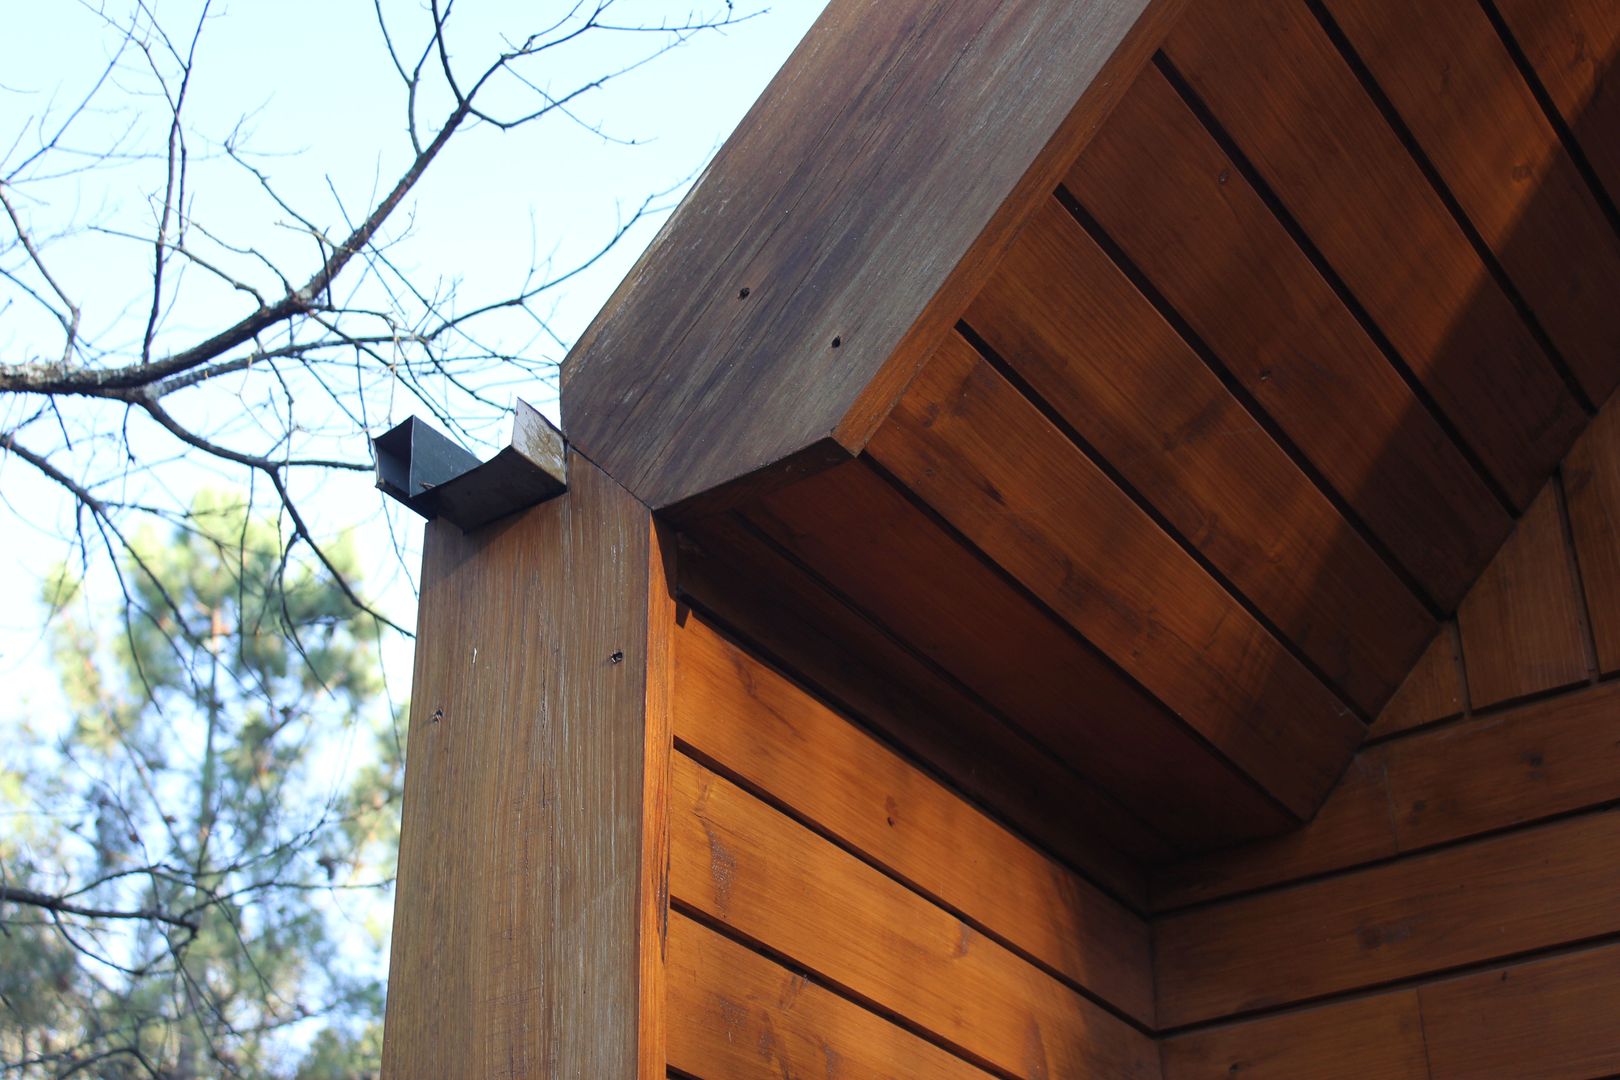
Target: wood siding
pixel 1454 910
pixel 841 868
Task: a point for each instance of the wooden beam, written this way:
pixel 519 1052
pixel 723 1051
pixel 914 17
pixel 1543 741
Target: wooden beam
pixel 736 1014
pixel 529 913
pixel 770 880
pixel 836 238
pixel 1161 187
pixel 758 726
pixel 1374 1037
pixel 1537 888
pixel 1482 775
pixel 864 673
pixel 1269 75
pixel 1453 82
pixel 863 535
pixel 985 458
pixel 1064 318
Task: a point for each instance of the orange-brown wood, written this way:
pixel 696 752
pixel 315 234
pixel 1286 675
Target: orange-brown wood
pixel 1544 1020
pixel 770 879
pixel 870 677
pixel 1486 774
pixel 1354 826
pixel 756 725
pixel 735 1014
pixel 1164 191
pixel 1530 889
pixel 1271 76
pixel 1377 1038
pixel 864 536
pixel 1521 623
pixel 1433 690
pixel 1454 84
pixel 1572 46
pixel 529 849
pixel 1063 317
pixel 972 447
pixel 1545 758
pixel 1591 478
pixel 652 897
pixel 841 227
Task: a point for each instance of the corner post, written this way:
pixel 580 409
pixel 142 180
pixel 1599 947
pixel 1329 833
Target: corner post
pixel 532 893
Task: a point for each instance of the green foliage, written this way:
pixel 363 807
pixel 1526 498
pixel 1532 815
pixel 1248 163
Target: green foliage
pixel 196 860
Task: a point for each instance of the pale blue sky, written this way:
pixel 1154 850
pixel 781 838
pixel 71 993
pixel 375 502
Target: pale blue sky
pixel 324 110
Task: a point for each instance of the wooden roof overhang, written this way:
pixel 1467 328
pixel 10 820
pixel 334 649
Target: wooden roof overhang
pixel 1112 400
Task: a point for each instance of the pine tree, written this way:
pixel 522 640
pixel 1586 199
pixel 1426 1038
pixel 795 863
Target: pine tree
pixel 196 866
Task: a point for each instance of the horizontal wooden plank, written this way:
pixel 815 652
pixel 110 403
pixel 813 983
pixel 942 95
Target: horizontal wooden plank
pixel 983 456
pixel 1454 84
pixel 1273 79
pixel 1165 192
pixel 1522 623
pixel 841 228
pixel 864 536
pixel 734 1013
pixel 1534 888
pixel 1545 758
pixel 1572 46
pixel 1433 690
pixel 1354 826
pixel 755 870
pixel 1535 761
pixel 1591 477
pixel 1543 1020
pixel 1376 1038
pixel 870 677
pixel 1068 321
pixel 759 726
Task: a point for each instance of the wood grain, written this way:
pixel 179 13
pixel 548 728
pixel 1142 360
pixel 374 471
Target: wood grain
pixel 1531 889
pixel 1433 689
pixel 757 725
pixel 868 676
pixel 756 871
pixel 1486 774
pixel 519 947
pixel 1572 46
pixel 1521 623
pixel 858 204
pixel 1591 477
pixel 860 533
pixel 1165 192
pixel 1071 325
pixel 1542 1020
pixel 972 447
pixel 1354 826
pixel 1273 79
pixel 736 1014
pixel 1454 84
pixel 1545 758
pixel 1377 1038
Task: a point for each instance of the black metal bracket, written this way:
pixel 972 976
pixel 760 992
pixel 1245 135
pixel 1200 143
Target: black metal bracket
pixel 432 475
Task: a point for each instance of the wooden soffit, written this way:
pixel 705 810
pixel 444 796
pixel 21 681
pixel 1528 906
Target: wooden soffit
pixel 839 233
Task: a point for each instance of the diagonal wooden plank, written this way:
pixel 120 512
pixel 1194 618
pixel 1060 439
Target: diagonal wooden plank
pixel 983 456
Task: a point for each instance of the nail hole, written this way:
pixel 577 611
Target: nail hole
pixel 742 293
pixel 617 657
pixel 837 341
